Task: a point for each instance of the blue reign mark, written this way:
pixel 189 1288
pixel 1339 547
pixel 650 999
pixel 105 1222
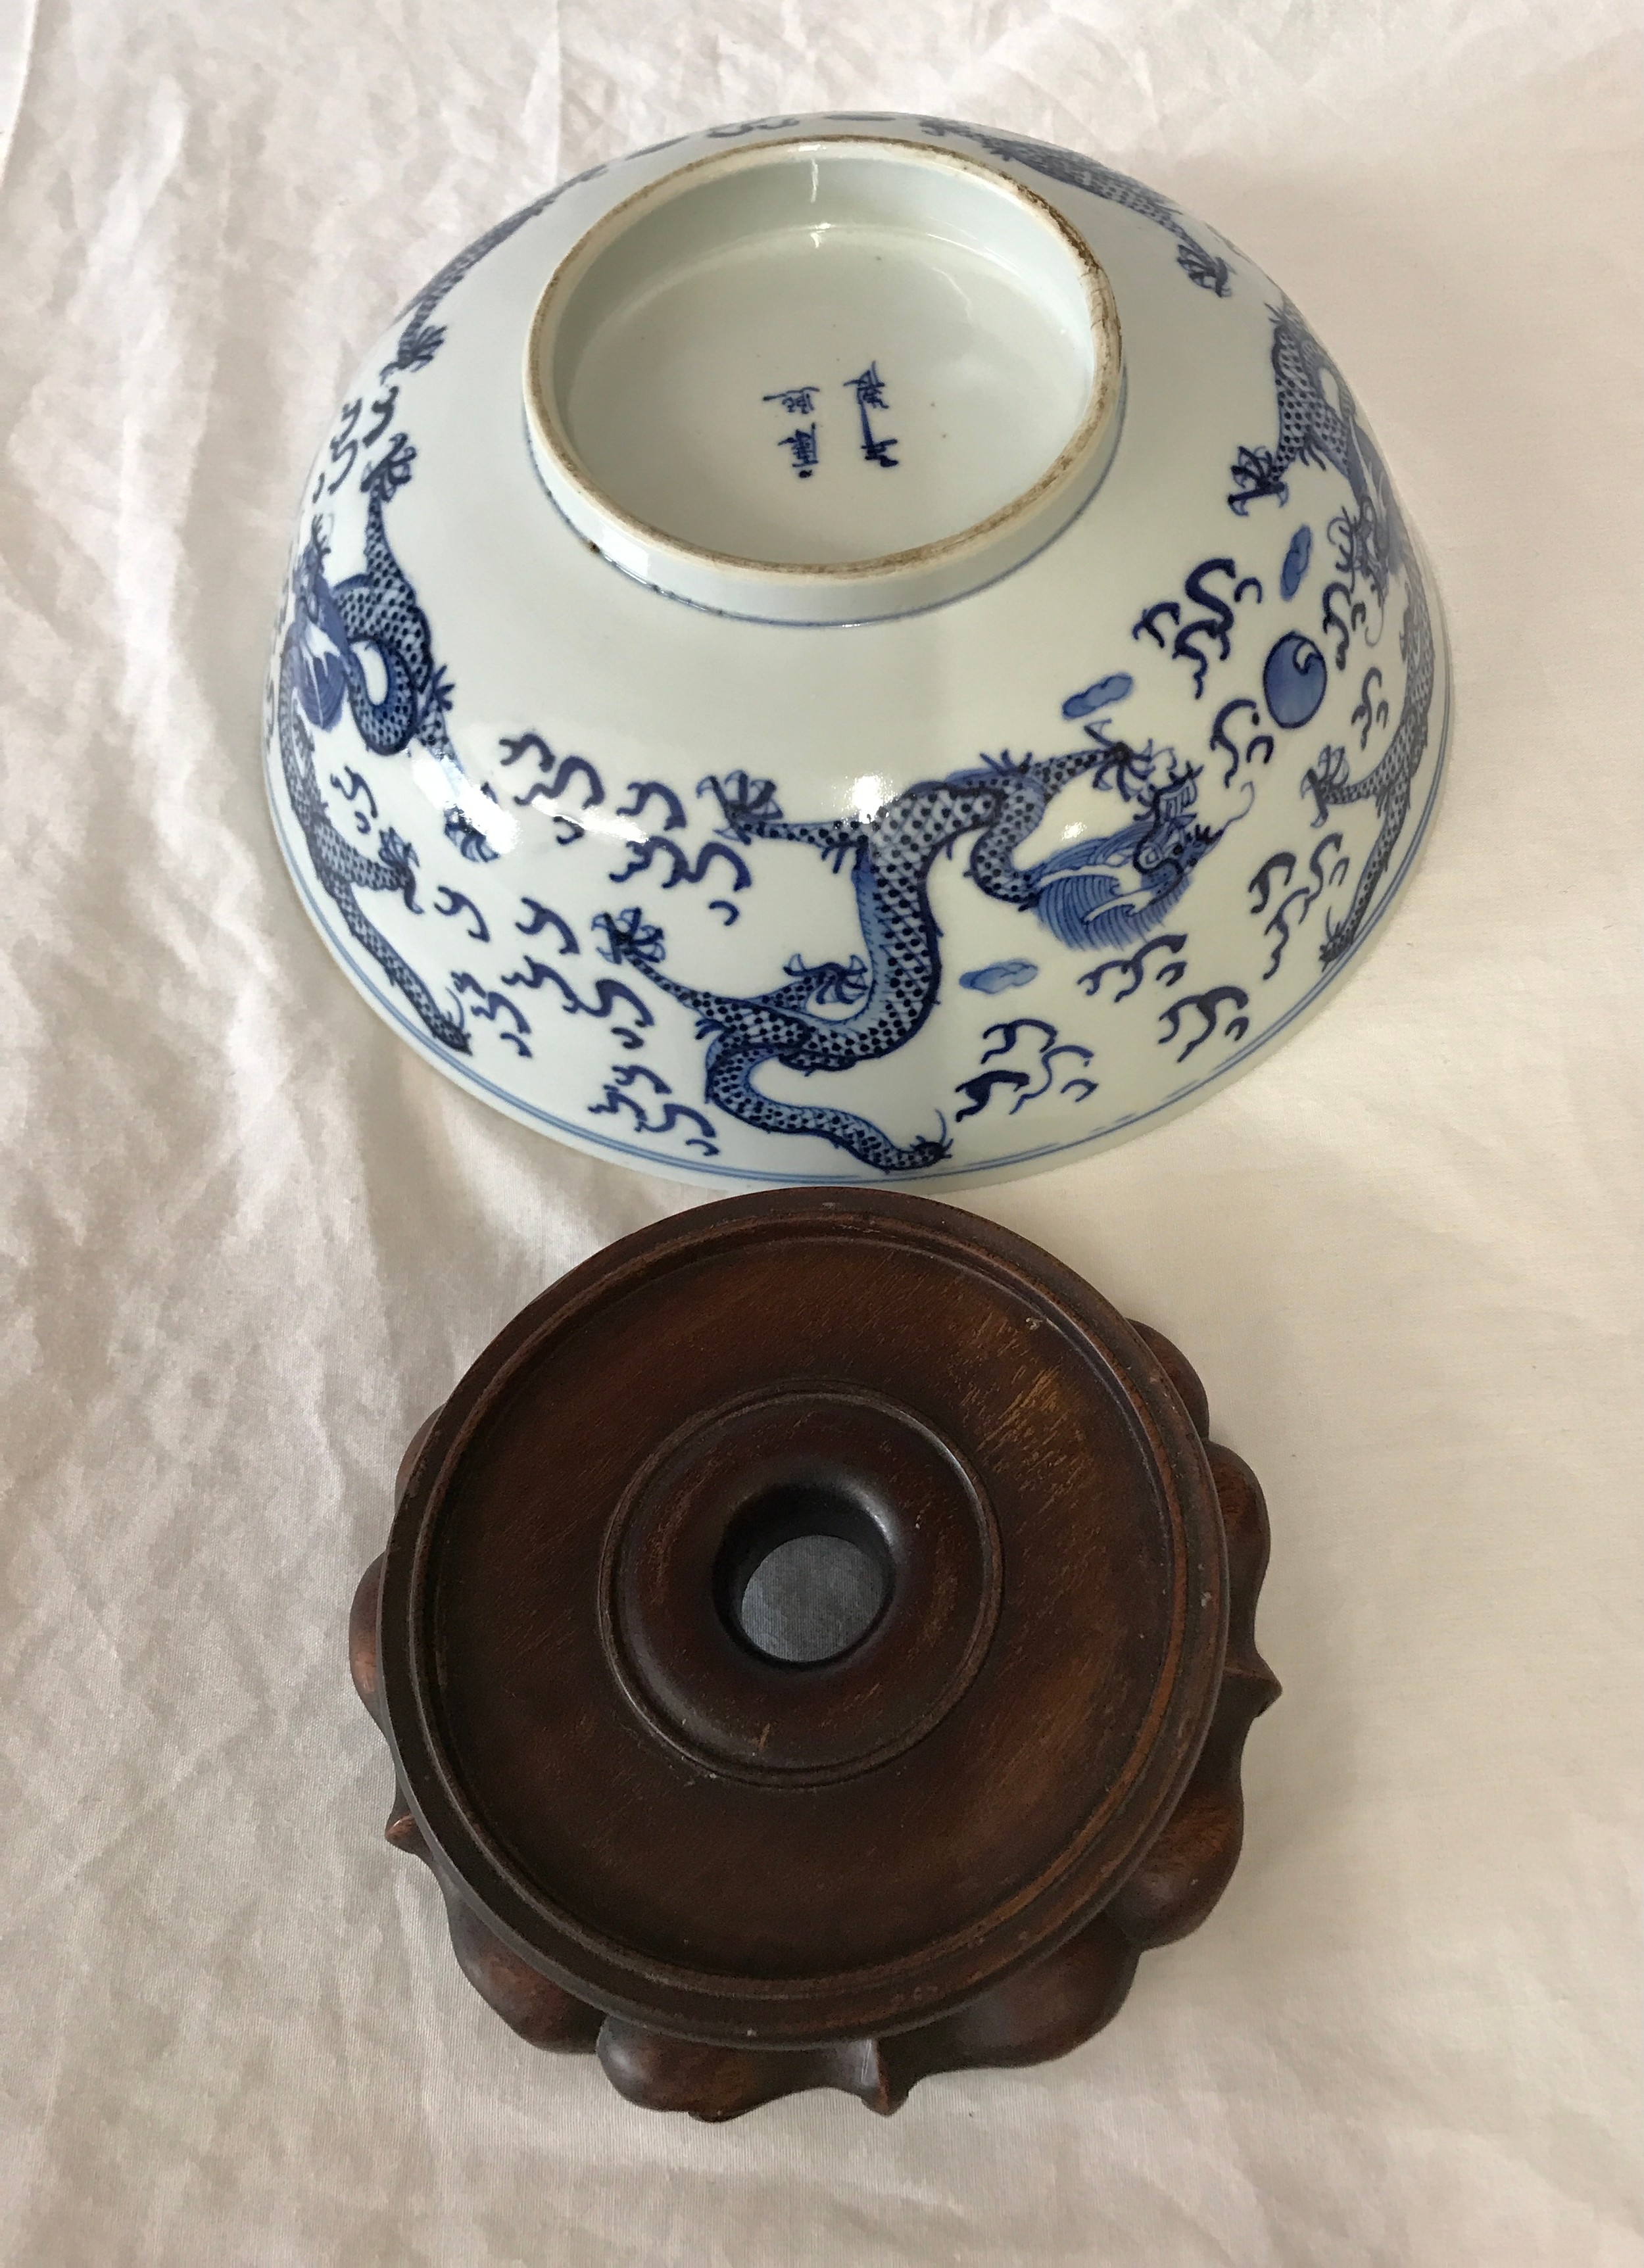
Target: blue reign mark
pixel 798 401
pixel 869 389
pixel 802 442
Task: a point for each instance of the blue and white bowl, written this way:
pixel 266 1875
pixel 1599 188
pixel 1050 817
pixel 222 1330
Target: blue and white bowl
pixel 848 650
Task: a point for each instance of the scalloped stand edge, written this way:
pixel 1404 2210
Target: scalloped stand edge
pixel 1041 2011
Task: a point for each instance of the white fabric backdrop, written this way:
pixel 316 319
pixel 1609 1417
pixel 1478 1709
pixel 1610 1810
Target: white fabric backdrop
pixel 249 1240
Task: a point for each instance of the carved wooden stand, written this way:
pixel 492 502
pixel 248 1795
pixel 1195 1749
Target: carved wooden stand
pixel 943 1843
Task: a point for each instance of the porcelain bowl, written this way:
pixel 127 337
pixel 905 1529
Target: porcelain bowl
pixel 848 650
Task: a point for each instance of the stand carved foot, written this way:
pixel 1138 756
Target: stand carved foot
pixel 737 1856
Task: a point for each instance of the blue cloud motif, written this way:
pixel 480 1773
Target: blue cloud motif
pixel 1296 562
pixel 1102 694
pixel 1000 975
pixel 321 645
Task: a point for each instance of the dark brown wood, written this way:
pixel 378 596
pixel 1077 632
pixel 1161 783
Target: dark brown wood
pixel 943 1843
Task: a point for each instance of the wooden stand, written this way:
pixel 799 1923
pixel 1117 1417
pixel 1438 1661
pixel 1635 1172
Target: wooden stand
pixel 816 1643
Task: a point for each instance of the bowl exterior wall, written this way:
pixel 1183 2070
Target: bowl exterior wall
pixel 960 893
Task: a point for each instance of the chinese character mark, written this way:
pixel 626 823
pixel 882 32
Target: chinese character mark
pixel 802 441
pixel 869 389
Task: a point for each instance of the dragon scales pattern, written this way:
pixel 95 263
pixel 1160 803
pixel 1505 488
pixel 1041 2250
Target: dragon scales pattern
pixel 320 668
pixel 1319 424
pixel 892 994
pixel 1208 270
pixel 1111 891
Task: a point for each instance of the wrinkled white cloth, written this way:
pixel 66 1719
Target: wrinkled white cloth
pixel 249 1240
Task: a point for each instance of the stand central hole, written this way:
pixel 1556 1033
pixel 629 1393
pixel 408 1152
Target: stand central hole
pixel 806 1574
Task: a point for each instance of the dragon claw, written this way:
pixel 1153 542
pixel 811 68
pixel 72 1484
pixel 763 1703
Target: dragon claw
pixel 927 1151
pixel 742 800
pixel 630 938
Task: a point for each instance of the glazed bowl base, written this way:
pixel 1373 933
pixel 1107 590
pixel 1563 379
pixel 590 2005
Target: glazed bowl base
pixel 805 364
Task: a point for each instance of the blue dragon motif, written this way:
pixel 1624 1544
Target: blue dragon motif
pixel 320 671
pixel 420 337
pixel 1112 890
pixel 1319 424
pixel 1208 270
